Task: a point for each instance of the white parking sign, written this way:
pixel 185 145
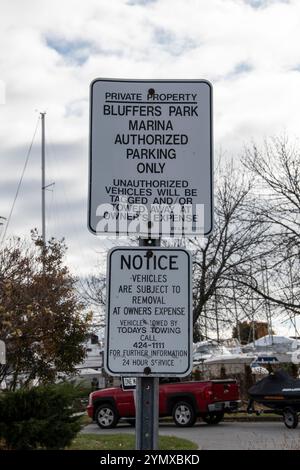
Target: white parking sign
pixel 151 157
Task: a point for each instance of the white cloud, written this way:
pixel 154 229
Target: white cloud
pixel 51 51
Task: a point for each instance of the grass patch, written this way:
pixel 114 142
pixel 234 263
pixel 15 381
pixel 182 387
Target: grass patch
pixel 126 442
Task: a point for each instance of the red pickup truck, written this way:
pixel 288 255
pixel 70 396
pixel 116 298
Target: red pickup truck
pixel 184 401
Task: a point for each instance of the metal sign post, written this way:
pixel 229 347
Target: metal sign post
pixel 147 399
pixel 149 324
pixel 150 174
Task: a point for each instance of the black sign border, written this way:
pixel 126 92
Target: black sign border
pixel 91 229
pixel 138 374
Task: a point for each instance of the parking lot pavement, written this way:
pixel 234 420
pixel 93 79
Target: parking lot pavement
pixel 224 436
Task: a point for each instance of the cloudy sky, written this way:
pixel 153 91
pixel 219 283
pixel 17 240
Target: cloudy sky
pixel 50 52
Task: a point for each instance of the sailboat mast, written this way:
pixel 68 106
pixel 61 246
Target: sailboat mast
pixel 43 179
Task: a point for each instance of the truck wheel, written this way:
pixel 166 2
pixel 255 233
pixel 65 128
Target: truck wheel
pixel 214 418
pixel 184 414
pixel 290 418
pixel 106 416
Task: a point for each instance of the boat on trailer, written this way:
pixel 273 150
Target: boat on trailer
pixel 281 393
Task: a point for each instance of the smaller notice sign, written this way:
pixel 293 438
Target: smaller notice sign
pixel 149 321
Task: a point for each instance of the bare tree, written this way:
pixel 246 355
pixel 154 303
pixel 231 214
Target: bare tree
pixel 276 167
pixel 238 240
pixel 92 290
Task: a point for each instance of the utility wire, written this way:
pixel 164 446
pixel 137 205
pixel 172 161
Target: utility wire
pixel 20 181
